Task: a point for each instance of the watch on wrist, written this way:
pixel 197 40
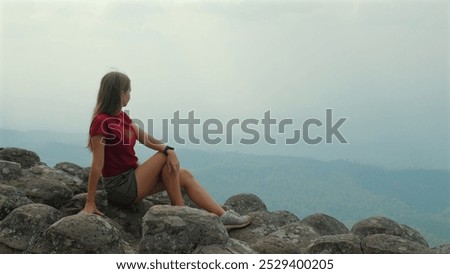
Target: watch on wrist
pixel 166 149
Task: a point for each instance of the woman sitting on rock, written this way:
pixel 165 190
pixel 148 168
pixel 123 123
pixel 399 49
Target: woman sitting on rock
pixel 112 139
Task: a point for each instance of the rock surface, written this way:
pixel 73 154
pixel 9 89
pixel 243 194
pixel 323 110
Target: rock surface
pixel 40 213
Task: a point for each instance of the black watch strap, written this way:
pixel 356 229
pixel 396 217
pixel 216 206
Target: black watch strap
pixel 167 148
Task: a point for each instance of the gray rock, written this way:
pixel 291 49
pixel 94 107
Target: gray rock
pixel 79 234
pixel 233 246
pixel 411 234
pixel 383 225
pixel 42 185
pixel 325 225
pixel 11 198
pixel 73 182
pixel 442 249
pixel 20 229
pixel 336 244
pixel 4 249
pixel 130 217
pixel 245 203
pixel 24 157
pixel 78 201
pixel 69 168
pixel 376 225
pixel 263 223
pixel 9 170
pixel 391 244
pixel 292 238
pixel 162 198
pixel 175 229
pixel 84 174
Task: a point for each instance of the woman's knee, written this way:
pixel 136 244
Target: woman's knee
pixel 185 174
pixel 186 178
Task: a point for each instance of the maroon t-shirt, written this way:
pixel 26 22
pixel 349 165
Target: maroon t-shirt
pixel 119 138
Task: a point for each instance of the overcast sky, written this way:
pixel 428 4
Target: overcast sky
pixel 383 65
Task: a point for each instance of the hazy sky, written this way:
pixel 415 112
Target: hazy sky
pixel 383 65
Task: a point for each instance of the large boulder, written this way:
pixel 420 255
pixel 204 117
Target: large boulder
pixel 233 246
pixel 69 168
pixel 43 185
pixel 81 233
pixel 9 170
pixel 383 225
pixel 336 244
pixel 263 223
pixel 11 198
pixel 442 249
pixel 292 238
pixel 78 201
pixel 175 229
pixel 324 224
pixel 25 224
pixel 24 157
pixel 391 244
pixel 245 203
pixel 129 217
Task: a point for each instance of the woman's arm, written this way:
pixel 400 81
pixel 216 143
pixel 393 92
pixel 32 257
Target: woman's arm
pixel 98 158
pixel 151 142
pixel 148 140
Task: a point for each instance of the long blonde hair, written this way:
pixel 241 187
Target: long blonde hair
pixel 109 100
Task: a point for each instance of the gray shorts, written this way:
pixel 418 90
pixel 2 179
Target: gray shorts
pixel 121 189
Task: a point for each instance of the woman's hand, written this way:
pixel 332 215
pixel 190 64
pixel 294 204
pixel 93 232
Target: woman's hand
pixel 91 208
pixel 172 161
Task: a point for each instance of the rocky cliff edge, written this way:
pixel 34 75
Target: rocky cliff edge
pixel 40 213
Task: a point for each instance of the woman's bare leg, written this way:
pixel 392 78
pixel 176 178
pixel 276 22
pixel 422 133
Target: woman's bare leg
pixel 171 182
pixel 198 194
pixel 148 182
pixel 148 175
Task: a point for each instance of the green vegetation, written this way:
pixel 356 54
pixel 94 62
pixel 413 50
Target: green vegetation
pixel 347 191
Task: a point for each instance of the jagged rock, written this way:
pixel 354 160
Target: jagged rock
pixel 162 198
pixel 174 229
pixel 9 170
pixel 11 198
pixel 413 235
pixel 80 234
pixel 153 226
pixel 69 168
pixel 442 249
pixel 78 201
pixel 383 225
pixel 376 225
pixel 20 229
pixel 44 186
pixel 84 174
pixel 129 217
pixel 4 249
pixel 292 238
pixel 263 224
pixel 245 203
pixel 391 244
pixel 336 244
pixel 233 246
pixel 325 225
pixel 24 157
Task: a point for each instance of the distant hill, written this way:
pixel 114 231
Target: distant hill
pixel 347 190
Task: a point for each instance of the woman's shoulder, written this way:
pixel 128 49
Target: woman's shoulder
pixel 102 117
pixel 126 117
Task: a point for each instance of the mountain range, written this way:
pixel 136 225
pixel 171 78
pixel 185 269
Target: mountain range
pixel 348 190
